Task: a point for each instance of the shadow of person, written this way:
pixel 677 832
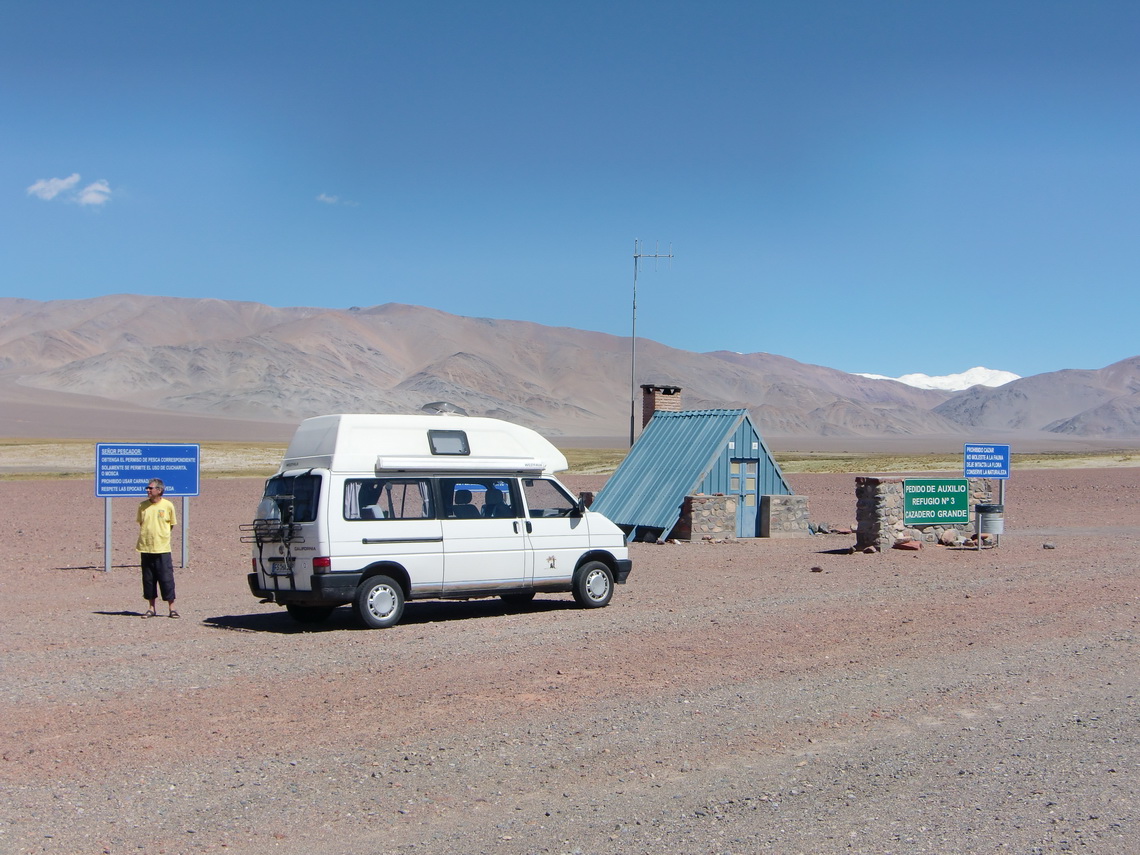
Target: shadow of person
pixel 124 613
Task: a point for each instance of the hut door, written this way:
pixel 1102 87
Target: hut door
pixel 744 484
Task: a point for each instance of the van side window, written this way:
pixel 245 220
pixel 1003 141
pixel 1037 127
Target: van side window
pixel 296 496
pixel 387 499
pixel 479 498
pixel 546 499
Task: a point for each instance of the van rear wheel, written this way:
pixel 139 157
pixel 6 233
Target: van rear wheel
pixel 593 585
pixel 379 602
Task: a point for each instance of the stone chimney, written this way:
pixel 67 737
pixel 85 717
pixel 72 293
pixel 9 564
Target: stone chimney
pixel 655 397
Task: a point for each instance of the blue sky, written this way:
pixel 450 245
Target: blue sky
pixel 874 186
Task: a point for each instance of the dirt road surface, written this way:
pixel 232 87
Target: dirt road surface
pixel 744 697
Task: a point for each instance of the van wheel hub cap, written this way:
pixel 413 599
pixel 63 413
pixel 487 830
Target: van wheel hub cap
pixel 381 602
pixel 596 585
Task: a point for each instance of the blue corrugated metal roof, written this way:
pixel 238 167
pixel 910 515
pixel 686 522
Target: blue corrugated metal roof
pixel 668 462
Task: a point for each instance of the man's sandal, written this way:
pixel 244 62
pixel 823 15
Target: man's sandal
pixel 175 614
pixel 149 613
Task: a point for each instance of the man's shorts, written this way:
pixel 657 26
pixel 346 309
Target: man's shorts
pixel 157 575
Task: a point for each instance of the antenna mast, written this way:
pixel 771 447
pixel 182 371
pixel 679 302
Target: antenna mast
pixel 638 254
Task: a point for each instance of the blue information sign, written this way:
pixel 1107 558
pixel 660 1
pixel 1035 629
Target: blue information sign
pixel 124 468
pixel 985 461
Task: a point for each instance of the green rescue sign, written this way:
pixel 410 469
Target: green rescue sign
pixel 936 501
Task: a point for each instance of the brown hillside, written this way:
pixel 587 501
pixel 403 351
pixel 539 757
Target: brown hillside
pixel 76 367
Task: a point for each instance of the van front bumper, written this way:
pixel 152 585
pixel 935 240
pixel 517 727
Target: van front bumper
pixel 621 569
pixel 328 589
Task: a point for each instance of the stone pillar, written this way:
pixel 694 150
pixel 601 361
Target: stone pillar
pixel 878 511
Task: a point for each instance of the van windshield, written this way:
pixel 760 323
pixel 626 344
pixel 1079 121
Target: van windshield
pixel 296 496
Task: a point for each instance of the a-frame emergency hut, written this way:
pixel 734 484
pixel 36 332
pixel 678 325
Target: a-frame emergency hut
pixel 685 453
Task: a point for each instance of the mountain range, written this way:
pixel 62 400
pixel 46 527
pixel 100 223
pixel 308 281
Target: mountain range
pixel 125 367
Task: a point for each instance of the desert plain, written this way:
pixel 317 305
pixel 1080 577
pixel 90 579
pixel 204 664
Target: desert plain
pixel 776 696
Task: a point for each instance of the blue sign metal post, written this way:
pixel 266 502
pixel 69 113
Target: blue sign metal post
pixel 124 469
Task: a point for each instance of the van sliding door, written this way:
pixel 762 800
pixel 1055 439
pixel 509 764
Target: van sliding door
pixel 484 541
pixel 390 519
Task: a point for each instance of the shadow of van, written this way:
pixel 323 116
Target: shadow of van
pixel 415 612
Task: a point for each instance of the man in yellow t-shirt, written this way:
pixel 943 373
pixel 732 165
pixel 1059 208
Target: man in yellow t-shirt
pixel 156 518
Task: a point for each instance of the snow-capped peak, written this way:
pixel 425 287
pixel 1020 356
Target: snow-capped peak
pixel 977 376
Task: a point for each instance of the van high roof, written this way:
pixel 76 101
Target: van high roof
pixel 356 442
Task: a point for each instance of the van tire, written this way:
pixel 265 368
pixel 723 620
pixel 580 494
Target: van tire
pixel 379 602
pixel 308 614
pixel 593 585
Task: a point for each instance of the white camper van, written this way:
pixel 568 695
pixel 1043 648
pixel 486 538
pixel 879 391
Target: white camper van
pixel 374 510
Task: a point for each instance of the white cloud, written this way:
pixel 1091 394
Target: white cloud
pixel 97 193
pixel 335 200
pixel 49 188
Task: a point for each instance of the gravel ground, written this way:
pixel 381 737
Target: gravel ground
pixel 755 696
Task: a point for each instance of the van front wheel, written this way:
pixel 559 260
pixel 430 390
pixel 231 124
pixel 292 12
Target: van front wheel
pixel 379 602
pixel 593 585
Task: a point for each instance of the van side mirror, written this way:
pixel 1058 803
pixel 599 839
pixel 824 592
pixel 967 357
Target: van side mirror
pixel 580 506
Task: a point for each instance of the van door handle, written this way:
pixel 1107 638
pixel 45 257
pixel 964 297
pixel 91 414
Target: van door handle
pixel 529 527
